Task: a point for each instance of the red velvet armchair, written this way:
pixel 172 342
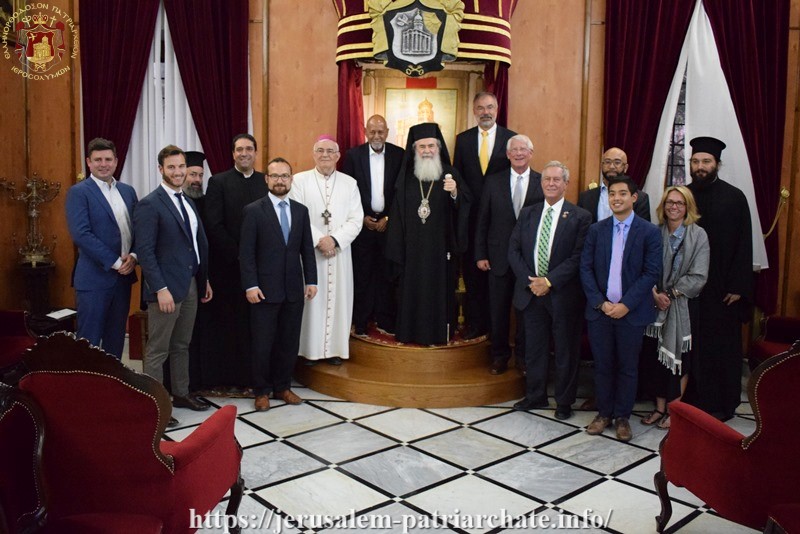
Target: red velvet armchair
pixel 23 492
pixel 742 478
pixel 104 453
pixel 777 335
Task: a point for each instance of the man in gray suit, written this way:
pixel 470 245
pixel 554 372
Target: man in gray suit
pixel 173 253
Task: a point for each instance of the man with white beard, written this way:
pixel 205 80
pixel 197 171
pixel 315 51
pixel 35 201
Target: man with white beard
pixel 427 230
pixel 334 207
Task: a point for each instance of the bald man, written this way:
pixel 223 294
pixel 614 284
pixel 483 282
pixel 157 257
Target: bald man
pixel 375 166
pixel 614 163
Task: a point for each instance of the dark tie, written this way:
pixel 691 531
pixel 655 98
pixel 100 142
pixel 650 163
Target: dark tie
pixel 187 226
pixel 284 221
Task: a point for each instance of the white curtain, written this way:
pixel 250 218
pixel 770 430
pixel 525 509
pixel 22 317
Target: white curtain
pixel 709 112
pixel 163 117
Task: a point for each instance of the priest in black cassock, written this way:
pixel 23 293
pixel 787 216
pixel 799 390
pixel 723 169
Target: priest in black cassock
pixel 427 231
pixel 715 383
pixel 228 360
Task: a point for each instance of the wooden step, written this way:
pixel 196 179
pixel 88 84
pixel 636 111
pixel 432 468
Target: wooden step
pixel 412 376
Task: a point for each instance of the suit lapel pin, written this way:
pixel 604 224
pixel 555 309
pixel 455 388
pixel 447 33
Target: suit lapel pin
pixel 564 215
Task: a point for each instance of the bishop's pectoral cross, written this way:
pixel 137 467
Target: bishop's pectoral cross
pixel 327 216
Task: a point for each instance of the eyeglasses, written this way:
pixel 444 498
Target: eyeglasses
pixel 281 177
pixel 613 162
pixel 674 203
pixel 328 151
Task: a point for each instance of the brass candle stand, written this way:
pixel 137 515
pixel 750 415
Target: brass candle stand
pixel 36 192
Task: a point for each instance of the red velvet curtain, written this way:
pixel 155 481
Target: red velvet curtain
pixel 116 36
pixel 495 80
pixel 210 39
pixel 753 40
pixel 350 119
pixel 643 45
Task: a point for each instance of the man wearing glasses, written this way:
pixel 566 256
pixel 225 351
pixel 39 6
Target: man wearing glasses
pixel 334 207
pixel 613 164
pixel 278 271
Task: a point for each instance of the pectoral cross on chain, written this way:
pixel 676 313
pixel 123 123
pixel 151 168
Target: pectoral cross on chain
pixel 327 216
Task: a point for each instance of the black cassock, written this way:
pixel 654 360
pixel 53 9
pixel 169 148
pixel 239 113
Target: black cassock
pixel 426 254
pixel 716 373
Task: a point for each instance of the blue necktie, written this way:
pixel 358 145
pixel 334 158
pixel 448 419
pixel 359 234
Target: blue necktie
pixel 284 221
pixel 614 293
pixel 187 226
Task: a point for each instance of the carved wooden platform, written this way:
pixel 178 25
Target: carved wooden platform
pixel 413 376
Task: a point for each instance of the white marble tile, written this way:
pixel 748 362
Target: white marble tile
pixel 540 476
pixel 273 462
pixel 310 394
pixel 745 408
pixel 407 424
pixel 642 476
pixel 289 420
pixel 469 499
pixel 327 492
pixel 342 442
pixel 742 425
pixel 243 406
pixel 391 519
pixel 187 417
pixel 245 433
pixel 350 410
pixel 713 524
pixel 525 428
pixel 595 452
pixel 401 470
pixel 468 448
pixel 468 415
pixel 621 507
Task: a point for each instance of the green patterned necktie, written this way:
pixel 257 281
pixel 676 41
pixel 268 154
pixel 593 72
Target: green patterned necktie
pixel 542 252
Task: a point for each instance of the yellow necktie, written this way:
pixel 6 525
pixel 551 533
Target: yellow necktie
pixel 483 155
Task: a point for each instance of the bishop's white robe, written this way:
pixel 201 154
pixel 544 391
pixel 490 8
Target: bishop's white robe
pixel 326 318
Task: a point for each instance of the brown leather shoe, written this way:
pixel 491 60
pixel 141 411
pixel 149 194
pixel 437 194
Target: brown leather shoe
pixel 189 402
pixel 289 397
pixel 262 403
pixel 598 424
pixel 623 429
pixel 499 366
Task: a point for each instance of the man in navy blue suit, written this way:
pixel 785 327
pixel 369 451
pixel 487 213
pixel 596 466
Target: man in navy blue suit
pixel 545 253
pixel 173 252
pixel 620 264
pixel 279 269
pixel 99 214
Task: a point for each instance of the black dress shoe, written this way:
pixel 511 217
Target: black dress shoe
pixel 310 363
pixel 172 423
pixel 563 413
pixel 527 404
pixel 189 402
pixel 470 333
pixel 334 361
pixel 360 331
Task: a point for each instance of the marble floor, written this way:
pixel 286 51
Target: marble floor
pixel 447 470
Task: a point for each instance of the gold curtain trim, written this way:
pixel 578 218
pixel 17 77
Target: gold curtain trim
pixel 359 27
pixel 353 18
pixel 486 18
pixel 355 46
pixel 355 55
pixel 492 48
pixel 492 57
pixel 480 28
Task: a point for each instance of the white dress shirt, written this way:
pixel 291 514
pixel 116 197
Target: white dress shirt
pixel 553 224
pixel 190 211
pixel 377 164
pixel 120 210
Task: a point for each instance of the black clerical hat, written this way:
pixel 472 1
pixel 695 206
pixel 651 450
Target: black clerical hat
pixel 195 159
pixel 426 130
pixel 709 145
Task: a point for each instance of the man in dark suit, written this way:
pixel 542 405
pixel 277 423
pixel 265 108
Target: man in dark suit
pixel 173 252
pixel 99 214
pixel 504 195
pixel 480 152
pixel 620 264
pixel 614 163
pixel 228 361
pixel 545 253
pixel 276 254
pixel 375 166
